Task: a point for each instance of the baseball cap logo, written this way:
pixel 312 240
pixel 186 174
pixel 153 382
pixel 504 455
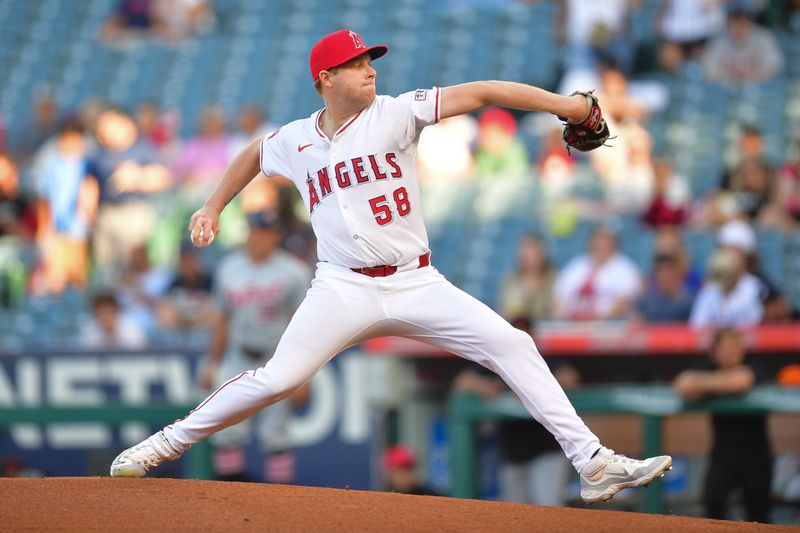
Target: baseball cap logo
pixel 358 42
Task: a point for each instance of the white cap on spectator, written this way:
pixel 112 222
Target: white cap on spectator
pixel 737 234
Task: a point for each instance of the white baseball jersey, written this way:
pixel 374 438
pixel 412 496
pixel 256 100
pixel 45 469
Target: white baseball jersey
pixel 360 187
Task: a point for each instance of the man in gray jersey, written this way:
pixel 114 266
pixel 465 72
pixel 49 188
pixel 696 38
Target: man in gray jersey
pixel 257 290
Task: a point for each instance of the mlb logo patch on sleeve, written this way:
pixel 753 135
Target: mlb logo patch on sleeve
pixel 422 94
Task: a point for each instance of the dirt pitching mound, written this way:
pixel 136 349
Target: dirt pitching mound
pixel 106 504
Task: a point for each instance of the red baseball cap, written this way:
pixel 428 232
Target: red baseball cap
pixel 340 47
pixel 501 118
pixel 398 456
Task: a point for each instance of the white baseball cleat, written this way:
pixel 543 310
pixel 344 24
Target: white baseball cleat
pixel 151 452
pixel 608 473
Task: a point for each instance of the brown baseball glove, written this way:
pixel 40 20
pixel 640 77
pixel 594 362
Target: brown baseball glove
pixel 591 132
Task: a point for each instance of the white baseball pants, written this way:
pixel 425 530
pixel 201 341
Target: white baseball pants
pixel 270 425
pixel 343 308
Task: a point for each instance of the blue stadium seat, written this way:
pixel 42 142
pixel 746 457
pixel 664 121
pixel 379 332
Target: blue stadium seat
pixel 699 245
pixel 771 248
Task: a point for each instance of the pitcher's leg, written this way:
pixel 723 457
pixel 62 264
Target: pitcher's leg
pixel 325 324
pixel 440 314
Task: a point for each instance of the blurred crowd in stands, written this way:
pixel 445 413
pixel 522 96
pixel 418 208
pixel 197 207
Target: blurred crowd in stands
pixel 95 200
pixel 604 284
pixel 99 200
pixel 169 21
pixel 752 194
pixel 94 204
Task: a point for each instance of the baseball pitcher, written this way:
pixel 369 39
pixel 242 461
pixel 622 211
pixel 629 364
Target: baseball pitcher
pixel 354 162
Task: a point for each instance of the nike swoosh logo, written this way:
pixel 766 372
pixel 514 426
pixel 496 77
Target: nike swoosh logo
pixel 301 148
pixel 614 477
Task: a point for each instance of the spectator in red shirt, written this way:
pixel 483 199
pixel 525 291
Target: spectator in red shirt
pixel 17 218
pixel 788 186
pixel 670 204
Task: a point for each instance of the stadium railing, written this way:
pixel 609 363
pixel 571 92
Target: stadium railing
pixel 653 403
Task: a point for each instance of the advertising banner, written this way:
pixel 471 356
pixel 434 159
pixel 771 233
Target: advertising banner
pixel 331 433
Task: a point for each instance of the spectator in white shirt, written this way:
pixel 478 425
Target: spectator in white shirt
pixel 599 285
pixel 746 53
pixel 684 27
pixel 445 152
pixel 739 237
pixel 731 296
pixel 109 329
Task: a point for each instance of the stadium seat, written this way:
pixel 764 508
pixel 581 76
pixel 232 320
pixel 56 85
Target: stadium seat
pixel 699 245
pixel 771 248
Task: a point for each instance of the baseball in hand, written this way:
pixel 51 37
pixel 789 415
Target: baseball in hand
pixel 201 241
